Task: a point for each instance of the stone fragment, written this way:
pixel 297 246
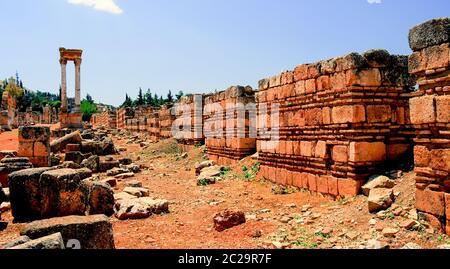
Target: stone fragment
pixel 380 199
pixel 228 219
pixel 53 241
pixel 92 232
pixel 376 183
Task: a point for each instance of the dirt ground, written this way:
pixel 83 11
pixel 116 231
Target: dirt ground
pixel 294 219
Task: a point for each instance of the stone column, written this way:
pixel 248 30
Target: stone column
pixel 77 85
pixel 63 85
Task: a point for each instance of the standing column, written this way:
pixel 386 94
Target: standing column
pixel 63 85
pixel 77 85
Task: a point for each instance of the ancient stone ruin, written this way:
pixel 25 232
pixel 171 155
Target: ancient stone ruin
pixel 430 115
pixel 340 121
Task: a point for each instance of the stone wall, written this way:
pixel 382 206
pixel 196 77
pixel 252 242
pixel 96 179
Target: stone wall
pixel 123 114
pixel 228 123
pixel 189 113
pixel 7 111
pixel 34 143
pixel 153 126
pixel 107 119
pixel 340 121
pixel 430 114
pixel 166 120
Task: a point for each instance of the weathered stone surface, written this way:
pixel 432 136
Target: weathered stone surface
pixel 25 194
pixel 116 171
pixel 125 175
pixel 62 193
pixel 107 165
pixel 140 208
pixel 134 184
pixel 18 241
pixel 2 194
pixel 110 181
pixel 101 198
pixel 430 33
pixel 91 163
pixel 377 58
pixel 212 171
pixel 380 199
pixel 200 166
pixel 376 183
pixel 61 143
pixel 69 165
pixel 411 246
pixel 123 196
pixel 10 165
pixel 93 232
pixel 138 192
pixel 74 156
pixel 228 219
pixel 53 241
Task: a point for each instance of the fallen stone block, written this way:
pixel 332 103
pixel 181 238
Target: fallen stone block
pixel 62 193
pixel 380 199
pixel 105 166
pixel 123 196
pixel 74 156
pixel 125 175
pixel 376 183
pixel 101 198
pixel 54 241
pixel 110 181
pixel 25 194
pixel 10 165
pixel 116 171
pixel 228 219
pixel 18 241
pixel 138 192
pixel 93 232
pixel 199 167
pixel 91 163
pixel 69 165
pixel 61 143
pixel 140 208
pixel 134 184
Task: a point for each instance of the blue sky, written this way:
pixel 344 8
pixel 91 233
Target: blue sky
pixel 193 45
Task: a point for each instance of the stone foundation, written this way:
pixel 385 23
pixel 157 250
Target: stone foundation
pixel 71 120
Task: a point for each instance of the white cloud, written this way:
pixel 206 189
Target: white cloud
pixel 374 1
pixel 100 5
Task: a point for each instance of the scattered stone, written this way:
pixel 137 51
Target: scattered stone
pixel 138 192
pixel 110 181
pixel 124 175
pixel 18 241
pixel 54 241
pixel 372 222
pixel 5 206
pixel 199 167
pixel 91 163
pixel 134 184
pixel 352 235
pixel 412 214
pixel 446 246
pixel 389 232
pixel 93 232
pixel 125 161
pixel 116 171
pixel 411 246
pixel 105 166
pixel 61 143
pixel 184 155
pixel 139 208
pixel 377 183
pixel 123 196
pixel 101 198
pixel 375 244
pixel 69 165
pixel 228 219
pixel 408 224
pixel 380 199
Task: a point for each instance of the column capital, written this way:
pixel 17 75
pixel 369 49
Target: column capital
pixel 63 61
pixel 77 62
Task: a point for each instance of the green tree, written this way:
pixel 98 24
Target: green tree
pixel 140 99
pixel 128 102
pixel 89 99
pixel 87 108
pixel 148 98
pixel 179 95
pixel 170 97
